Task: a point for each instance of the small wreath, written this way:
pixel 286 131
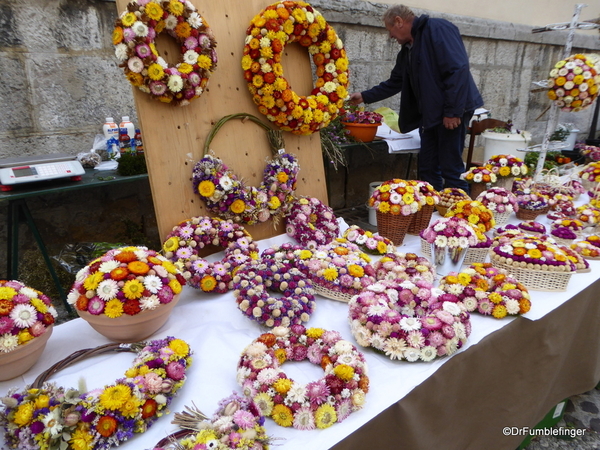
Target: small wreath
pixel 320 403
pixel 45 415
pixel 409 321
pixel 311 222
pixel 276 26
pixel 226 196
pixel 188 238
pixel 134 39
pixel 252 283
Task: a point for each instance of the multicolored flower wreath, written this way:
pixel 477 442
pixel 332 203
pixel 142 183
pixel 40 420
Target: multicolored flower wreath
pixel 25 313
pixel 311 222
pixel 252 283
pixel 276 26
pixel 409 320
pixel 126 280
pixel 228 197
pixel 236 424
pixel 134 39
pixel 488 290
pixel 369 242
pixel 320 403
pixel 188 238
pixel 52 417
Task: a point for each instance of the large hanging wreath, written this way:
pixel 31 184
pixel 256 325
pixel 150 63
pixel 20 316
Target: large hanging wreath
pixel 270 31
pixel 134 39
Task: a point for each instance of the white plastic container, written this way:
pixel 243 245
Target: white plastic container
pixel 126 123
pixel 110 128
pixel 372 212
pixel 504 143
pixel 571 139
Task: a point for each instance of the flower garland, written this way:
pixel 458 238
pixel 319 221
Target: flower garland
pixel 52 417
pixel 276 26
pixel 476 213
pixel 229 198
pixel 134 38
pixel 409 320
pixel 396 197
pixel 126 280
pixel 25 313
pixel 488 290
pixel 252 283
pixel 499 200
pixel 452 232
pixel 532 253
pixel 339 267
pixel 188 238
pixel 532 227
pixel 396 266
pixel 368 242
pixel 320 403
pixel 237 424
pixel 573 83
pixel 506 166
pixel 479 175
pixel 311 222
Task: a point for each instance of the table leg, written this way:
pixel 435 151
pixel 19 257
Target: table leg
pixel 21 207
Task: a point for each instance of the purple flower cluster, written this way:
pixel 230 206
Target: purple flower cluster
pixel 563 233
pixel 358 116
pixel 311 222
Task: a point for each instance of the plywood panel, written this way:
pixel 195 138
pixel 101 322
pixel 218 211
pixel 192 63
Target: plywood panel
pixel 174 136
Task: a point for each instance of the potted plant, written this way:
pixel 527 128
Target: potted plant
pixel 504 140
pixel 361 124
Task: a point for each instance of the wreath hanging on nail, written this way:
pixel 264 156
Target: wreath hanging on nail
pixel 276 26
pixel 134 38
pixel 228 197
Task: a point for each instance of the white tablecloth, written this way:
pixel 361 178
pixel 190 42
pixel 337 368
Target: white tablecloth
pixel 218 332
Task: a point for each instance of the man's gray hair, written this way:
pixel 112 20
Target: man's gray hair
pixel 404 12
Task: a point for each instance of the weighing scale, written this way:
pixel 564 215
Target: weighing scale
pixel 27 169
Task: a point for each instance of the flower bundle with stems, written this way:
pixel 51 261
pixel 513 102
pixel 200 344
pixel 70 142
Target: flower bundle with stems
pixel 25 313
pixel 318 404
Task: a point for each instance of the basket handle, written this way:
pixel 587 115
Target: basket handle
pixel 275 137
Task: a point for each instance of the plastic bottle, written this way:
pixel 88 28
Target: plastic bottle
pixel 112 148
pixel 124 141
pixel 139 146
pixel 128 125
pixel 110 128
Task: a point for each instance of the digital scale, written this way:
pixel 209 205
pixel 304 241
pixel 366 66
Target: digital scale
pixel 27 169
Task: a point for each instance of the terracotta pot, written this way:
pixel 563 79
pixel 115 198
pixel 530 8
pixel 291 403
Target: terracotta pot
pixel 363 132
pixel 21 359
pixel 130 328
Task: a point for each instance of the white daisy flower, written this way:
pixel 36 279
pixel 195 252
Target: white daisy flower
pixel 107 289
pixel 135 64
pixel 452 308
pixel 121 51
pixel 410 323
pixel 152 283
pixel 31 293
pixel 297 393
pixel 394 348
pixel 512 306
pixel 412 354
pixel 140 28
pixel 195 20
pixel 175 83
pixel 149 303
pixel 170 22
pixel 8 342
pixel 108 266
pixel 52 422
pixel 24 315
pixel 161 62
pixel 428 353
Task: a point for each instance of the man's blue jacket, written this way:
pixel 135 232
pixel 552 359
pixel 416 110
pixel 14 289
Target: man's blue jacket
pixel 433 77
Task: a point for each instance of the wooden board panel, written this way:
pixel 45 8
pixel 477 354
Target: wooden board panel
pixel 174 136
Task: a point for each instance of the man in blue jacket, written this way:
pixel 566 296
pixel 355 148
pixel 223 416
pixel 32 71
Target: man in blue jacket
pixel 438 92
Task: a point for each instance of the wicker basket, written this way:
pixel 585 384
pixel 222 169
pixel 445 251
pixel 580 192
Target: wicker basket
pixel 537 280
pixel 505 182
pixel 475 189
pixel 561 241
pixel 474 255
pixel 421 219
pixel 531 214
pixel 589 185
pixel 331 294
pixel 393 227
pixel 442 209
pixel 502 218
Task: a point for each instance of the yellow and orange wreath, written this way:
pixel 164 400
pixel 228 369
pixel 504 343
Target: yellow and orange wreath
pixel 269 32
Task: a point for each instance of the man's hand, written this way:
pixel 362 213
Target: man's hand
pixel 355 99
pixel 451 122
